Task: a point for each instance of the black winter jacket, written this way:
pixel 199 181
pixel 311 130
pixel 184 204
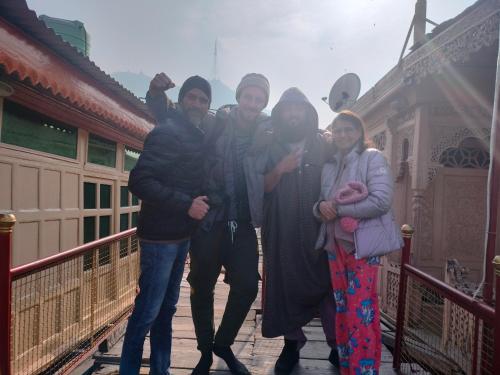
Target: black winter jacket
pixel 219 165
pixel 167 177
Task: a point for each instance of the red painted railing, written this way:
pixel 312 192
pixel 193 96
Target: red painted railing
pixel 7 222
pixel 485 354
pixel 91 272
pixel 44 263
pixel 410 343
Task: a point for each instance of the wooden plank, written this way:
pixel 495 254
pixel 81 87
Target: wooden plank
pixel 317 367
pixel 259 354
pixel 184 310
pixel 185 355
pixel 315 350
pixel 386 356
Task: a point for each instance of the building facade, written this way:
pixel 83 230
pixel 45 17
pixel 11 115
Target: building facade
pixel 431 115
pixel 69 134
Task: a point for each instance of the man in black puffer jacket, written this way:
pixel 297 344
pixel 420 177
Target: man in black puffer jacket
pixel 169 180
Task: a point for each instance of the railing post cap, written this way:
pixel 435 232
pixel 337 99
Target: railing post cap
pixel 496 263
pixel 407 230
pixel 7 221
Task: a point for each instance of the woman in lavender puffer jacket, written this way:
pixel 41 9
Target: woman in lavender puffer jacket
pixel 354 280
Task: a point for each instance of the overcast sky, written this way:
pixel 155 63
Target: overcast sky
pixel 308 44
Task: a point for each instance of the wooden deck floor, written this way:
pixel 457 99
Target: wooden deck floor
pixel 258 353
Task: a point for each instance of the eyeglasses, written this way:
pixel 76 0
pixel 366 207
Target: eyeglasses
pixel 346 130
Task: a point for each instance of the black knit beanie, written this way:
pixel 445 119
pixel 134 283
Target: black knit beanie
pixel 195 82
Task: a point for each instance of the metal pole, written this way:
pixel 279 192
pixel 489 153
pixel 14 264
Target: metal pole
pixel 7 221
pixel 407 231
pixel 496 330
pixel 493 191
pixel 406 41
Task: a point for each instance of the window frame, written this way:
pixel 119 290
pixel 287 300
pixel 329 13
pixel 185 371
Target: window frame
pixel 38 153
pixel 125 147
pixel 88 162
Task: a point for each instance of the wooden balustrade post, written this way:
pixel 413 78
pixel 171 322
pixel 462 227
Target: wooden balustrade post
pixel 7 221
pixel 407 231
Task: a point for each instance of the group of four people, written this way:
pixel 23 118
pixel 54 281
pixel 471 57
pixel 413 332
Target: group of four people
pixel 207 181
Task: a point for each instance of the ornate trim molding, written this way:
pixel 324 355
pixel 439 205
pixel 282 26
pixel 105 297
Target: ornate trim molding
pixel 468 34
pixel 452 136
pixel 474 32
pixel 446 110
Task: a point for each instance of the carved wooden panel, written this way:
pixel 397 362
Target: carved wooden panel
pixel 450 136
pixel 464 208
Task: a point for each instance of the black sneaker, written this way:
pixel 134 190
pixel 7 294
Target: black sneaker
pixel 204 364
pixel 232 362
pixel 288 358
pixel 334 358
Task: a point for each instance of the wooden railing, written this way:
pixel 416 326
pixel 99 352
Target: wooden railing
pixel 56 311
pixel 441 330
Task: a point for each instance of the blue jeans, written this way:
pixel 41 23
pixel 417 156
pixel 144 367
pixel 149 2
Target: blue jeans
pixel 162 267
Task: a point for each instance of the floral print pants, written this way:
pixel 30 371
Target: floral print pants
pixel 357 322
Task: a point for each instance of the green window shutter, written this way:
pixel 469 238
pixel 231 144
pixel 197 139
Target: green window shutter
pixel 104 226
pixel 135 216
pixel 101 151
pixel 135 200
pixel 89 195
pixel 124 243
pixel 26 128
pixel 123 222
pixel 123 196
pixel 131 157
pixel 105 196
pixel 104 231
pixel 88 236
pixel 88 229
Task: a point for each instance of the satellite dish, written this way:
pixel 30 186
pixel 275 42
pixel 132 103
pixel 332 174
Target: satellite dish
pixel 344 92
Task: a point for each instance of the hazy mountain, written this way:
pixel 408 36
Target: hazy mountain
pixel 138 83
pixel 221 94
